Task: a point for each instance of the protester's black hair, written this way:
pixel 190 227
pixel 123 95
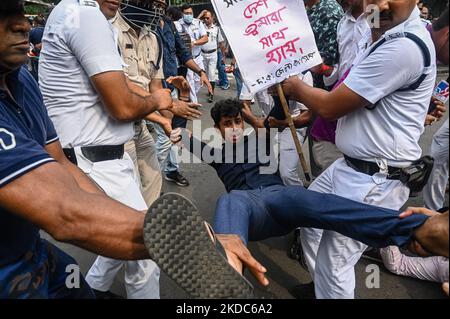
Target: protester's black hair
pixel 174 13
pixel 11 7
pixel 185 6
pixel 229 108
pixel 442 21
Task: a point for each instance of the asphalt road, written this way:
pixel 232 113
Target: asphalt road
pixel 284 273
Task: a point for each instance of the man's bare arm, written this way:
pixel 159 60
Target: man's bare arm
pixel 50 198
pixel 329 105
pixel 83 181
pixel 203 40
pixel 123 99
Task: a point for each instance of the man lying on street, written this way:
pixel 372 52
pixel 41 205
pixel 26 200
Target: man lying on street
pixel 258 206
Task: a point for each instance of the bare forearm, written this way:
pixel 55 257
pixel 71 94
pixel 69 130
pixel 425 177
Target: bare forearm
pixel 125 101
pixel 156 118
pixel 50 198
pixel 254 121
pixel 149 107
pixel 115 230
pixel 303 120
pixel 83 181
pixel 201 41
pixel 191 65
pixel 329 105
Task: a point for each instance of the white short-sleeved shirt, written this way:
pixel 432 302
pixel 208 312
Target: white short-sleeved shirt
pixel 214 38
pixel 392 130
pixel 350 31
pixel 196 30
pixel 79 43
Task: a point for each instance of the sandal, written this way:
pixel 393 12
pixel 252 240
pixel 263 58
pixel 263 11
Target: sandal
pixel 179 241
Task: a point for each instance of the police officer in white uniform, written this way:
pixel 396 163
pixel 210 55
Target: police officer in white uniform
pixel 197 31
pixel 93 107
pixel 434 192
pixel 209 50
pixel 381 115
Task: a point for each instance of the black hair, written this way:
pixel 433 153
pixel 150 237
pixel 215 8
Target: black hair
pixel 11 7
pixel 185 7
pixel 229 108
pixel 174 13
pixel 442 21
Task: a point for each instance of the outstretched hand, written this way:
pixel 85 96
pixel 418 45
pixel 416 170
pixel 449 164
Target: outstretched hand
pixel 238 255
pixel 181 84
pixel 188 111
pixel 205 81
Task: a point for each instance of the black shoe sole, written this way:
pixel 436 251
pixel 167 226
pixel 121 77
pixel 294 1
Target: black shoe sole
pixel 178 241
pixel 174 181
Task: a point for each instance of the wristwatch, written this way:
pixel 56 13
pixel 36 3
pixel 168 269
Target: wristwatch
pixel 199 73
pixel 185 99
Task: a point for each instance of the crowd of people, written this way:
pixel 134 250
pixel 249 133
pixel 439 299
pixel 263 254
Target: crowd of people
pixel 95 98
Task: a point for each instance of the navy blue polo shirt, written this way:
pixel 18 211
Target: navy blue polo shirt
pixel 25 129
pixel 237 171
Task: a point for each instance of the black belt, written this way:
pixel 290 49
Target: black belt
pixel 370 168
pixel 210 51
pixel 97 153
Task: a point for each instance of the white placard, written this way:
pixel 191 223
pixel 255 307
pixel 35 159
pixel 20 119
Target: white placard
pixel 271 39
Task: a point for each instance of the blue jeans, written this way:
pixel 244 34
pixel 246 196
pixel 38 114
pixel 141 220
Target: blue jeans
pixel 223 79
pixel 167 152
pixel 42 274
pixel 277 210
pixel 239 82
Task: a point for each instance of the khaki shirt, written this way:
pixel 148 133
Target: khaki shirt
pixel 140 53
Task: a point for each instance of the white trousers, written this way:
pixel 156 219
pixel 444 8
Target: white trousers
pixel 194 79
pixel 434 192
pixel 210 62
pixel 330 256
pixel 289 161
pixel 119 180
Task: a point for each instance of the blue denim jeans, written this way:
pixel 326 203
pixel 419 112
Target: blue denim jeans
pixel 277 210
pixel 167 152
pixel 239 82
pixel 223 79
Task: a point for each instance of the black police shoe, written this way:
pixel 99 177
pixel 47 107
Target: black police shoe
pixel 177 178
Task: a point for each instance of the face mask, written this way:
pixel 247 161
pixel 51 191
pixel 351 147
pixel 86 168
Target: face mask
pixel 142 17
pixel 188 18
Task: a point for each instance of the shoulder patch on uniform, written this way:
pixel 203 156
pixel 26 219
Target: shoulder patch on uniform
pixel 89 3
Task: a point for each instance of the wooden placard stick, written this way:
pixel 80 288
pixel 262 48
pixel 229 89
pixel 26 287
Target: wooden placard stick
pixel 298 146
